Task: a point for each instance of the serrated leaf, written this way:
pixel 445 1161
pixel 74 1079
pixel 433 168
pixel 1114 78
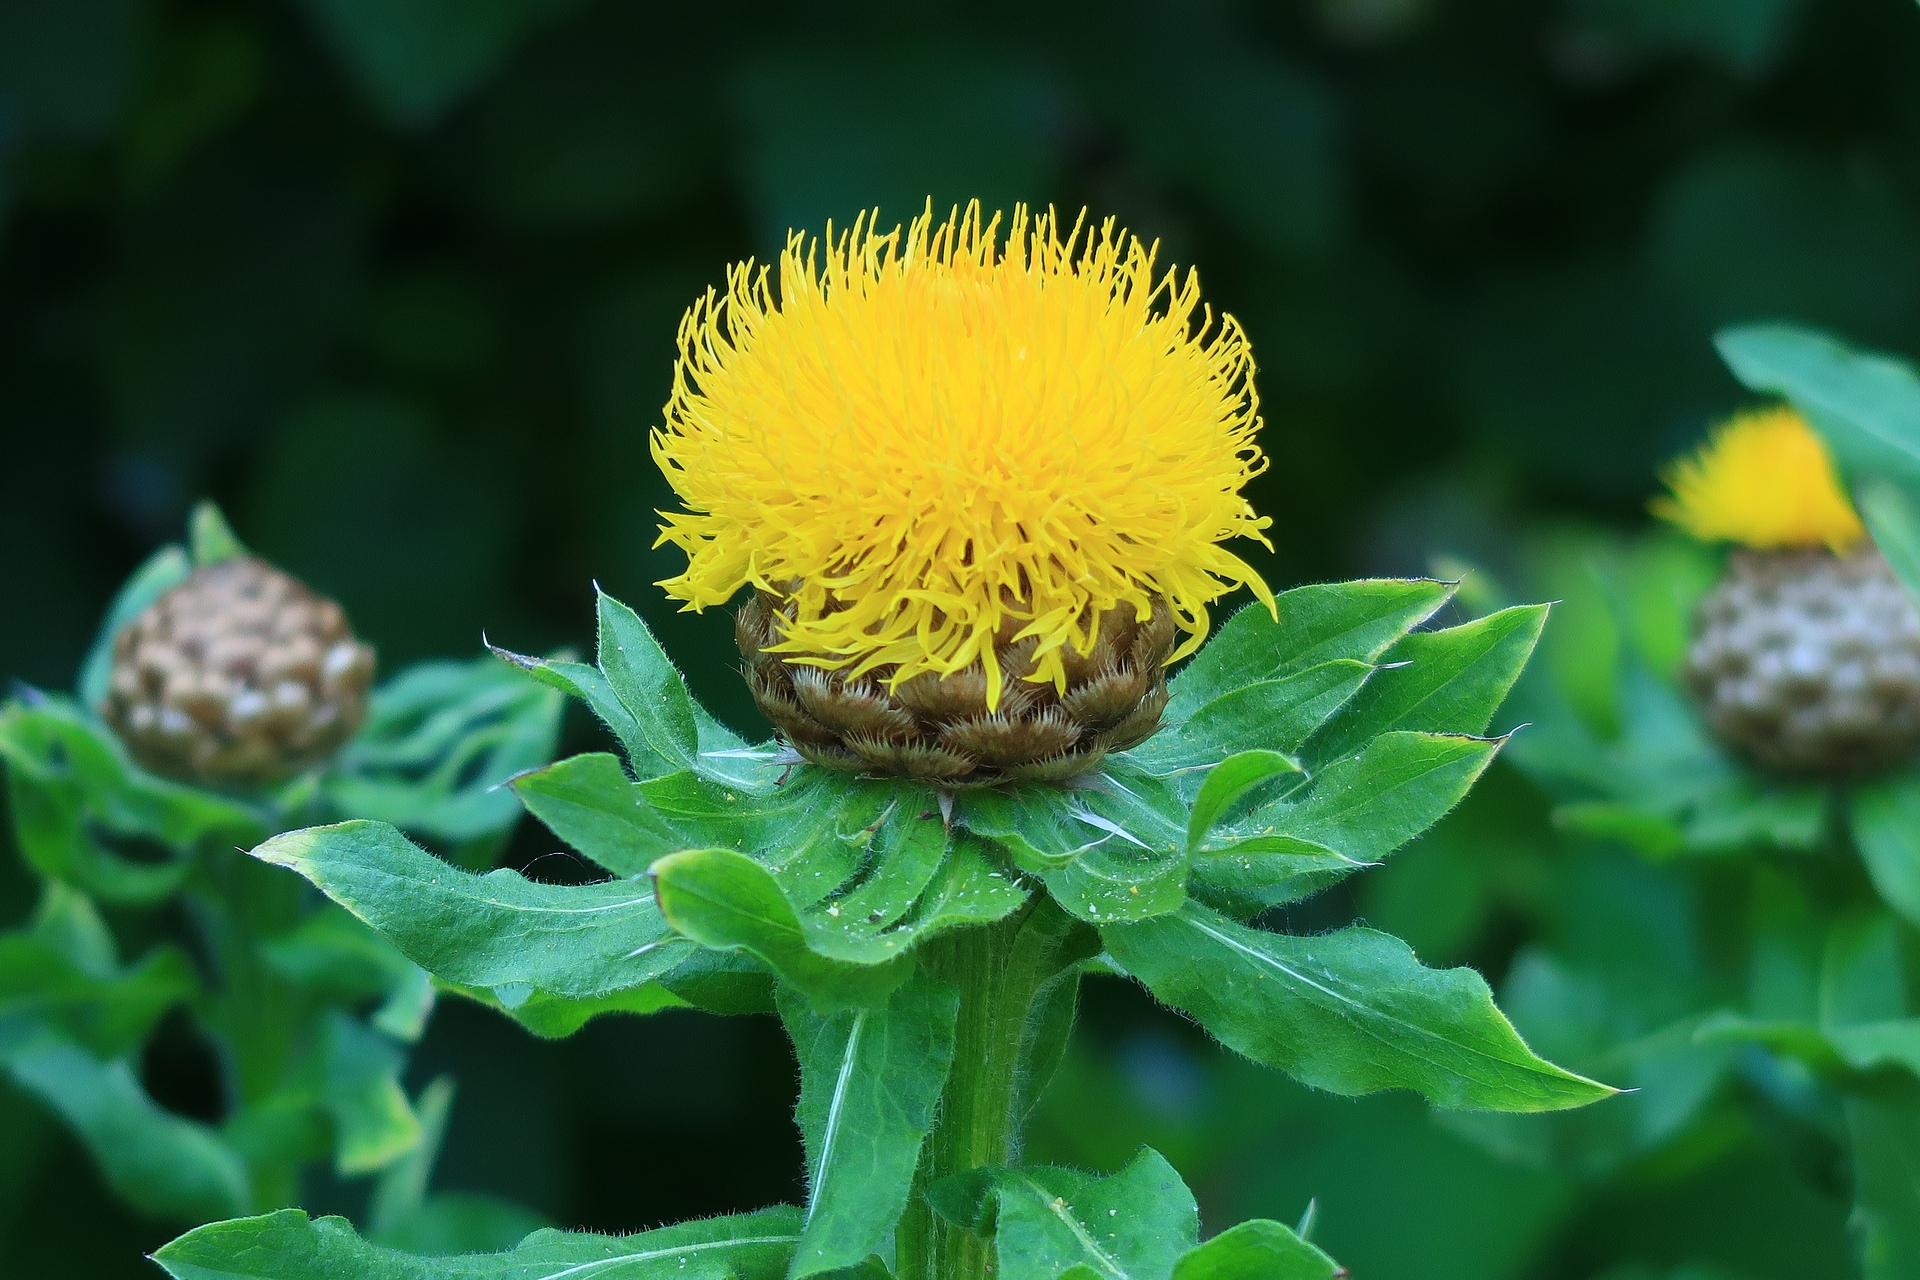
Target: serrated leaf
pixel 1273 715
pixel 1351 1012
pixel 162 1164
pixel 288 1245
pixel 498 931
pixel 1321 623
pixel 1258 1250
pixel 870 1080
pixel 1449 681
pixel 1131 1226
pixel 727 901
pixel 650 687
pixel 591 803
pixel 1370 804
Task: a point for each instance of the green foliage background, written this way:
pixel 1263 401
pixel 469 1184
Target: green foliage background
pixel 397 283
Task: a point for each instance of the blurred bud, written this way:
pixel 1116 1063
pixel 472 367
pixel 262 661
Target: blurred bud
pixel 1808 663
pixel 239 675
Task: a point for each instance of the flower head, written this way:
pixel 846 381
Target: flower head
pixel 1764 479
pixel 937 440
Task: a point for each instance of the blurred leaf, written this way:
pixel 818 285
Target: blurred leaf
pixel 109 1013
pixel 162 571
pixel 499 931
pixel 287 1245
pixel 870 1080
pixel 1885 1134
pixel 361 1087
pixel 203 79
pixel 76 796
pixel 1894 525
pixel 1257 1250
pixel 439 742
pixel 209 536
pixel 1350 1012
pixel 401 1190
pixel 1886 827
pixel 165 1166
pixel 417 59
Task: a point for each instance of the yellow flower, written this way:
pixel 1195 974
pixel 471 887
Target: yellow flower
pixel 1764 479
pixel 939 438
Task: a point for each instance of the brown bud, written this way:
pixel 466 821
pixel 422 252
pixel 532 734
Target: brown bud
pixel 1808 663
pixel 237 676
pixel 938 728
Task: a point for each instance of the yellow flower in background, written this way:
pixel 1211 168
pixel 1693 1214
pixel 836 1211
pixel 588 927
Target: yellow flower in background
pixel 1764 479
pixel 937 439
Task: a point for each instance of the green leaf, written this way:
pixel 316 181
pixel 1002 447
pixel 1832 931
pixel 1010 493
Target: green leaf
pixel 439 741
pixel 1868 406
pixel 1131 1226
pixel 729 902
pixel 288 1245
pixel 1319 623
pixel 1449 681
pixel 401 1190
pixel 869 1082
pixel 1273 715
pixel 1893 521
pixel 586 683
pixel 1366 806
pixel 650 687
pixel 163 1165
pixel 1252 874
pixel 1115 851
pixel 108 1012
pixel 1258 1250
pixel 554 1017
pixel 497 931
pixel 1351 1012
pixel 210 537
pixel 1885 816
pixel 360 1072
pixel 163 570
pixel 1884 1133
pixel 1227 782
pixel 75 795
pixel 589 802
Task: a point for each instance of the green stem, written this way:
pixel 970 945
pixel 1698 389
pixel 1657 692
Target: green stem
pixel 1002 971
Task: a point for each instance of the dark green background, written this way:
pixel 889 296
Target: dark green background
pixel 396 282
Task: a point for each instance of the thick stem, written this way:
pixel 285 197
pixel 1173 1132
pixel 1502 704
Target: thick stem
pixel 999 969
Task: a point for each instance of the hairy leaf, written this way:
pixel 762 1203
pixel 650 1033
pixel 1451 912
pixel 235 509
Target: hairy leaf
pixel 1351 1012
pixel 1449 681
pixel 1320 623
pixel 869 1082
pixel 1269 715
pixel 498 931
pixel 1131 1226
pixel 1258 1250
pixel 288 1245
